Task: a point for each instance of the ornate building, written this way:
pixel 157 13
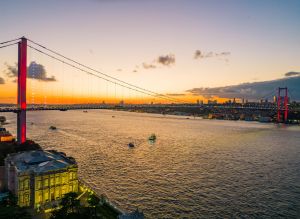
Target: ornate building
pixel 40 178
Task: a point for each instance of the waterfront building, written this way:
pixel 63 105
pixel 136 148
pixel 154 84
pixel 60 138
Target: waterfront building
pixel 39 179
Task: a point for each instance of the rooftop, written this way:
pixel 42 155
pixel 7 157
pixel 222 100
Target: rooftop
pixel 40 161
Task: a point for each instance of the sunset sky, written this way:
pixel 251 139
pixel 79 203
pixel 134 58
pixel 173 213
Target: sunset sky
pixel 168 46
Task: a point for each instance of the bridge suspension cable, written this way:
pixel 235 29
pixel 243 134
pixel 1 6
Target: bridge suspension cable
pixel 126 84
pixel 98 76
pixel 9 43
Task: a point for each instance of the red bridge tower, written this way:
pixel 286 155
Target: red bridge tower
pixel 282 103
pixel 22 75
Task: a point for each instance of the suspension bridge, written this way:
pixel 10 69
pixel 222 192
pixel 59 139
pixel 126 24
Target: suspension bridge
pixel 83 87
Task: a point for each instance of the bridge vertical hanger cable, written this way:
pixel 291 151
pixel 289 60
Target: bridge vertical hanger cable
pixel 38 94
pixel 45 90
pixel 122 95
pixel 161 96
pixel 115 94
pixel 72 89
pixel 64 82
pixel 106 75
pixel 30 57
pixel 90 97
pixel 89 90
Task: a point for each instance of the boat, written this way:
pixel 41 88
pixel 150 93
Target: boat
pixel 131 145
pixel 52 127
pixel 2 119
pixel 85 111
pixel 63 109
pixel 5 135
pixel 152 137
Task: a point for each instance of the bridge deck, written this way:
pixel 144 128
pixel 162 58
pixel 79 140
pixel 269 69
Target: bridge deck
pixel 85 107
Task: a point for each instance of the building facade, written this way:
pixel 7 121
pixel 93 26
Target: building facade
pixel 40 178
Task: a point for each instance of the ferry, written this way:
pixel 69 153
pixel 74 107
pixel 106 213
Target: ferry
pixel 152 137
pixel 52 127
pixel 5 136
pixel 2 119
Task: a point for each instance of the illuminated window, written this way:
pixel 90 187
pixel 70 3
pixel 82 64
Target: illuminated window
pixel 52 181
pixel 57 180
pixel 52 195
pixel 21 185
pixel 39 197
pixel 46 182
pixel 63 179
pixel 46 196
pixel 26 198
pixel 20 198
pixel 39 184
pixel 63 191
pixel 26 184
pixel 57 193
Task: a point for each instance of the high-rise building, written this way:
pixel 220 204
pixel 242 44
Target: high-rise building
pixel 212 102
pixel 40 178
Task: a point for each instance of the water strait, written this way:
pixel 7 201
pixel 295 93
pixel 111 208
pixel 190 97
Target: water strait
pixel 196 168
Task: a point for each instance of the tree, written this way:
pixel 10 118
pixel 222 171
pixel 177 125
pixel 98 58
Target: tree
pixel 70 203
pixel 13 212
pixel 69 207
pixel 9 209
pixel 93 202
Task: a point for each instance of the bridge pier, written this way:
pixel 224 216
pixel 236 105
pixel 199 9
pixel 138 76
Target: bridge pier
pixel 22 75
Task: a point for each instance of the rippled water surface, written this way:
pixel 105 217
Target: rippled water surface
pixel 196 169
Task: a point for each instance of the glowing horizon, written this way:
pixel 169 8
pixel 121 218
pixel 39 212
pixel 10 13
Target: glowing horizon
pixel 173 47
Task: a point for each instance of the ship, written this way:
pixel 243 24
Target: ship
pixel 5 135
pixel 52 127
pixel 152 137
pixel 2 119
pixel 131 145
